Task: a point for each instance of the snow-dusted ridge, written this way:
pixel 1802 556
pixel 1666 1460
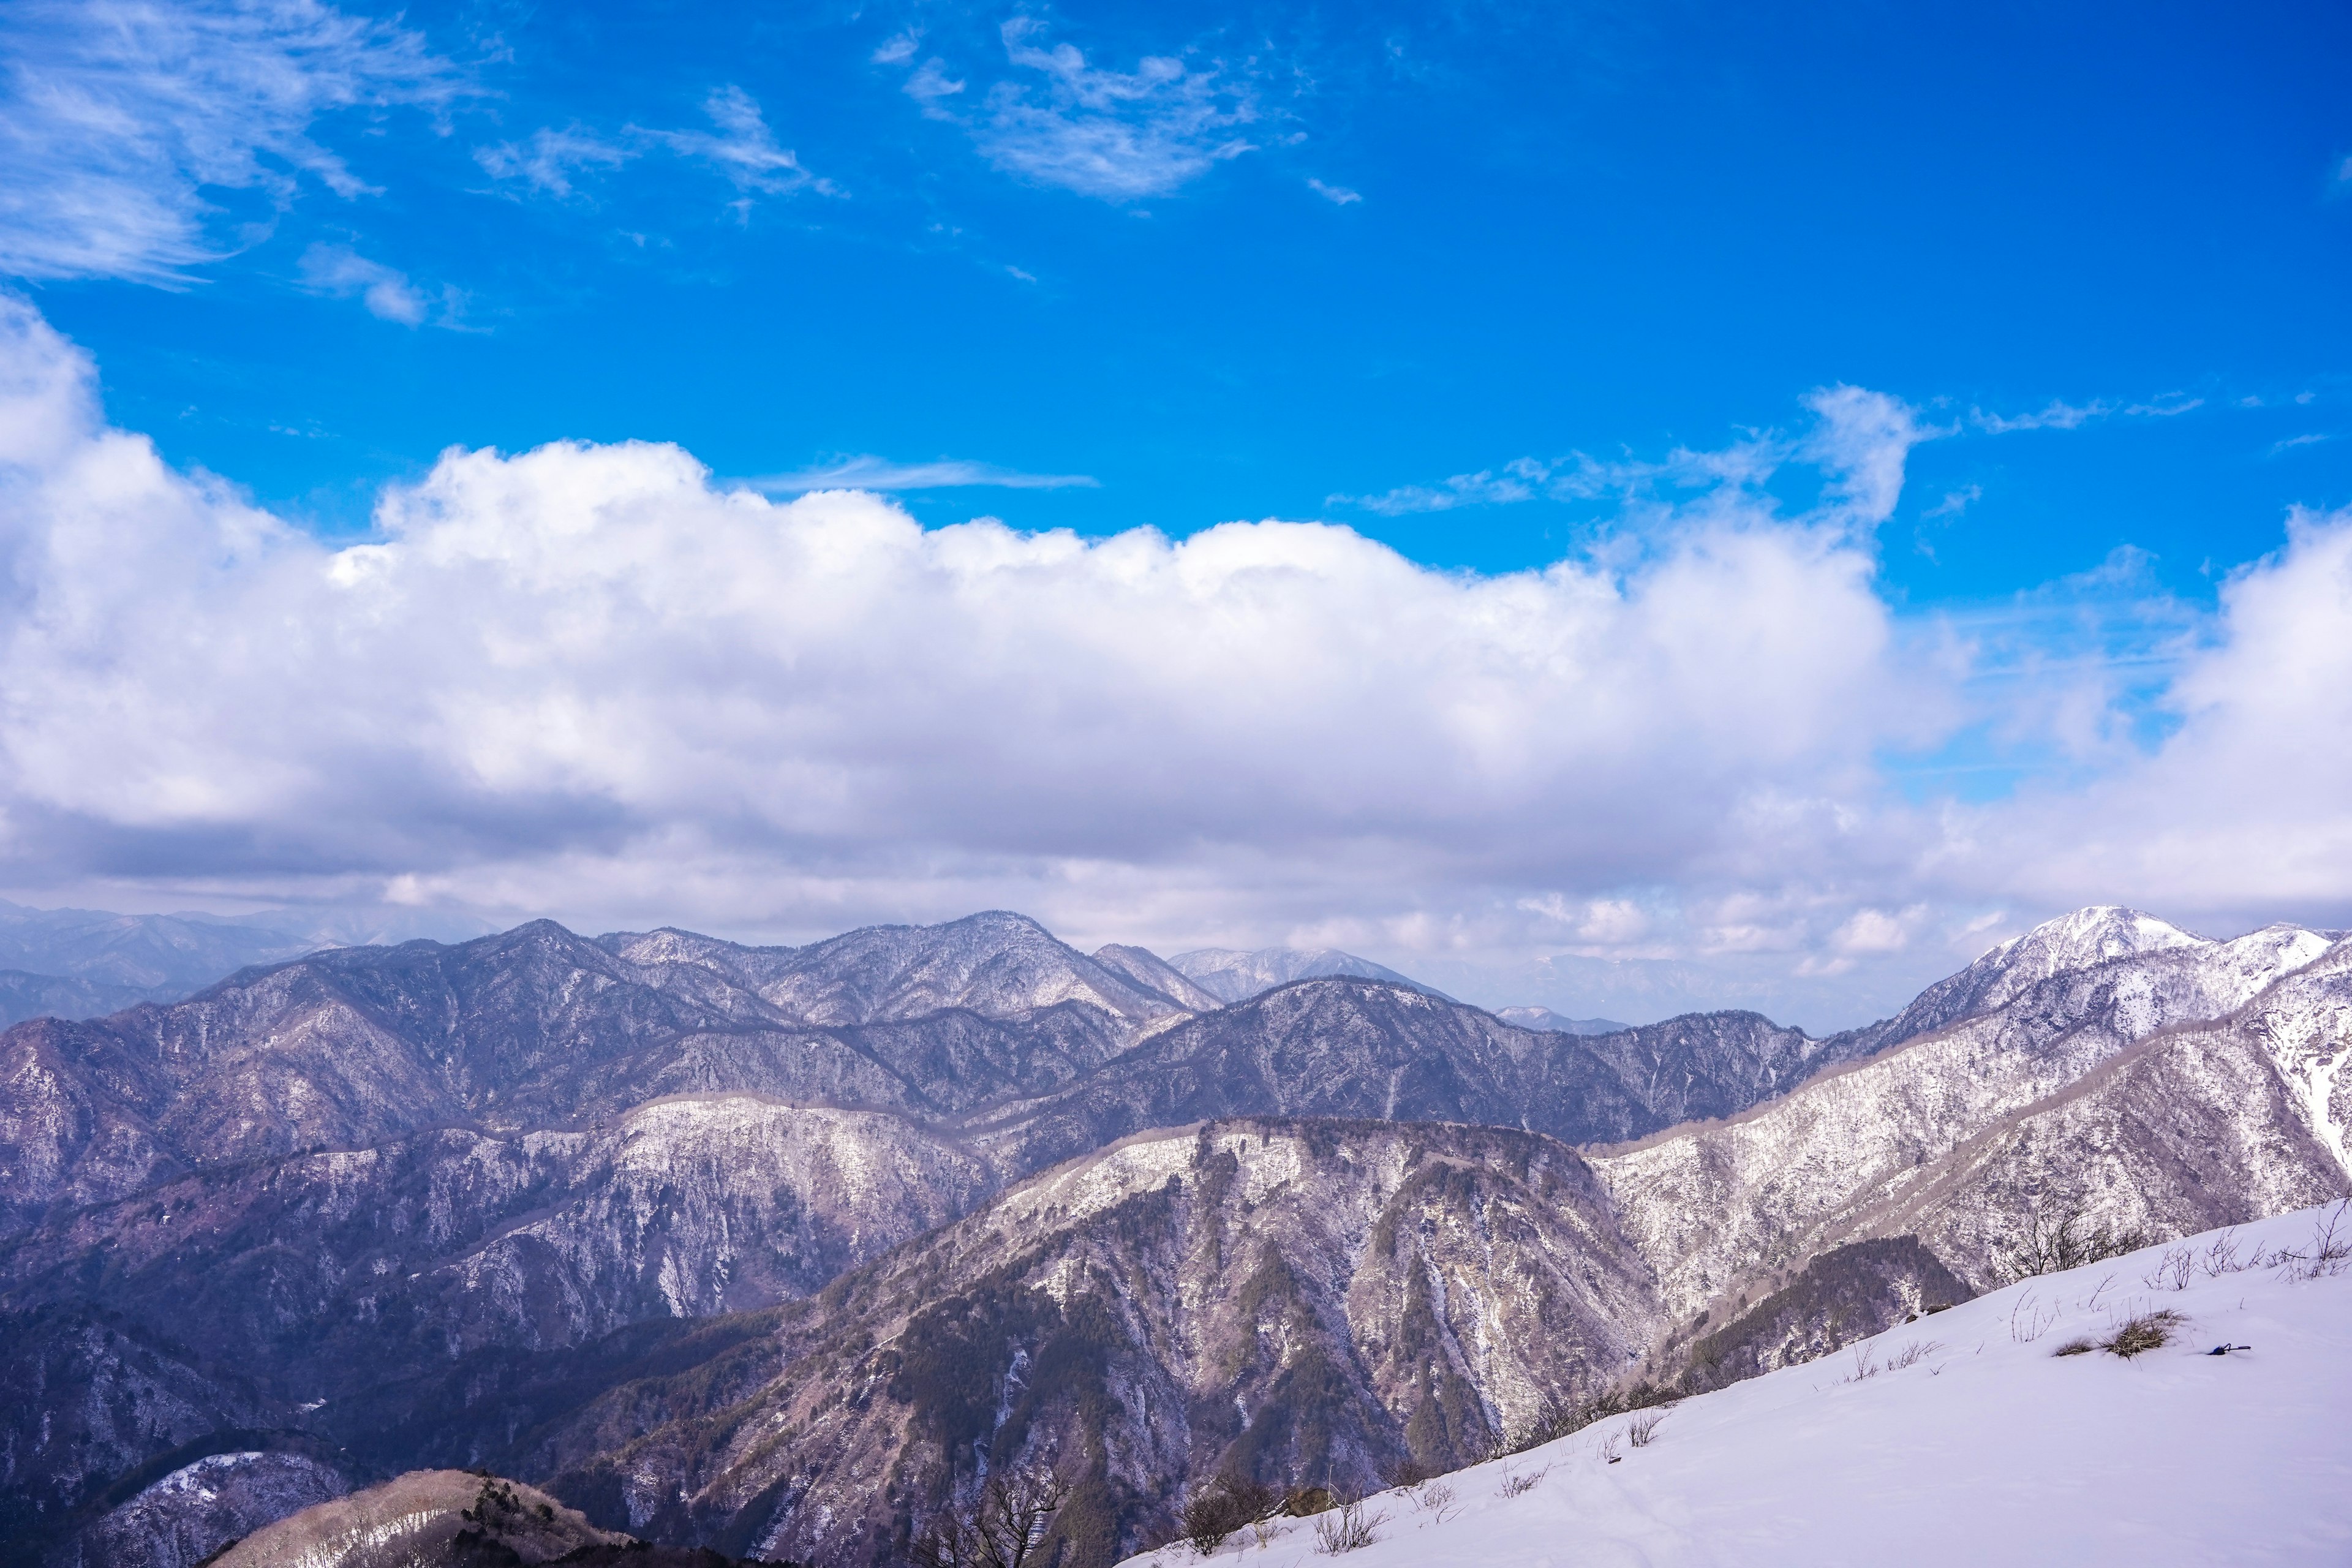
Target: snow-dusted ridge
pixel 1988 1447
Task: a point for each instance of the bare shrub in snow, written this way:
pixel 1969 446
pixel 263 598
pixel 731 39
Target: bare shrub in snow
pixel 2148 1332
pixel 1608 1449
pixel 2329 1253
pixel 1347 1528
pixel 2051 1243
pixel 2076 1347
pixel 1642 1429
pixel 2221 1258
pixel 2173 1271
pixel 1865 1366
pixel 2029 1319
pixel 1912 1354
pixel 1515 1485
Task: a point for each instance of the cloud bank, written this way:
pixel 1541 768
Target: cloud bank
pixel 586 680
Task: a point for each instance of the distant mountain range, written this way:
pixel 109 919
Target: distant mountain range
pixel 771 1248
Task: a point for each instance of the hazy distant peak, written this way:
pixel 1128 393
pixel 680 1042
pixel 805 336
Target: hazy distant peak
pixel 1235 976
pixel 1549 1022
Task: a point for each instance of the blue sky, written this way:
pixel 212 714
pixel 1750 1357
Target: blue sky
pixel 1601 230
pixel 1497 287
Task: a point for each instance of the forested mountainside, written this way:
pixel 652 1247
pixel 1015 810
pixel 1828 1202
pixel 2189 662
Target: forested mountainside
pixel 529 1201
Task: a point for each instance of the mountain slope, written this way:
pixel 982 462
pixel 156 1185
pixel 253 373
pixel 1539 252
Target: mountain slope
pixel 1304 1301
pixel 1988 1448
pixel 1862 1151
pixel 325 1274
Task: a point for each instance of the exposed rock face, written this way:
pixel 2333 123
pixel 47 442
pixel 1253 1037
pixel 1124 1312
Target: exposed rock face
pixel 1365 1048
pixel 1954 1134
pixel 1304 1301
pixel 1235 976
pixel 190 1514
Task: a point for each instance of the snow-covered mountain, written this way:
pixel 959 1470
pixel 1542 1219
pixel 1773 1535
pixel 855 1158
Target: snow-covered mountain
pixel 1232 976
pixel 1964 1438
pixel 2058 1093
pixel 418 1202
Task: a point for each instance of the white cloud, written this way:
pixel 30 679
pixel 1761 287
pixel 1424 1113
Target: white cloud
pixel 549 160
pixel 869 473
pixel 339 270
pixel 121 123
pixel 586 682
pixel 1116 135
pixel 742 148
pixel 1338 196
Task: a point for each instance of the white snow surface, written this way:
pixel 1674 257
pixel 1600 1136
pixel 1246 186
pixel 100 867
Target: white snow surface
pixel 1989 1449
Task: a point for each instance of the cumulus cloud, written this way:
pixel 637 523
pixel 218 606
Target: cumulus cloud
pixel 1061 120
pixel 586 680
pixel 122 124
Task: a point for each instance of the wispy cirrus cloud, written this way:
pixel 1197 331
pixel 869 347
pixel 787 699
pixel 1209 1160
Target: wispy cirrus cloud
pixel 871 473
pixel 1338 196
pixel 122 123
pixel 2060 415
pixel 1062 120
pixel 741 146
pixel 1858 442
pixel 549 160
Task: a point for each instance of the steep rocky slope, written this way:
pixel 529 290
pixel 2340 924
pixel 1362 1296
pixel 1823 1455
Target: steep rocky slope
pixel 1309 1303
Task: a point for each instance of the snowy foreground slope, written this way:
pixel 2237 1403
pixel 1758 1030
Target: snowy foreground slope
pixel 1988 1448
